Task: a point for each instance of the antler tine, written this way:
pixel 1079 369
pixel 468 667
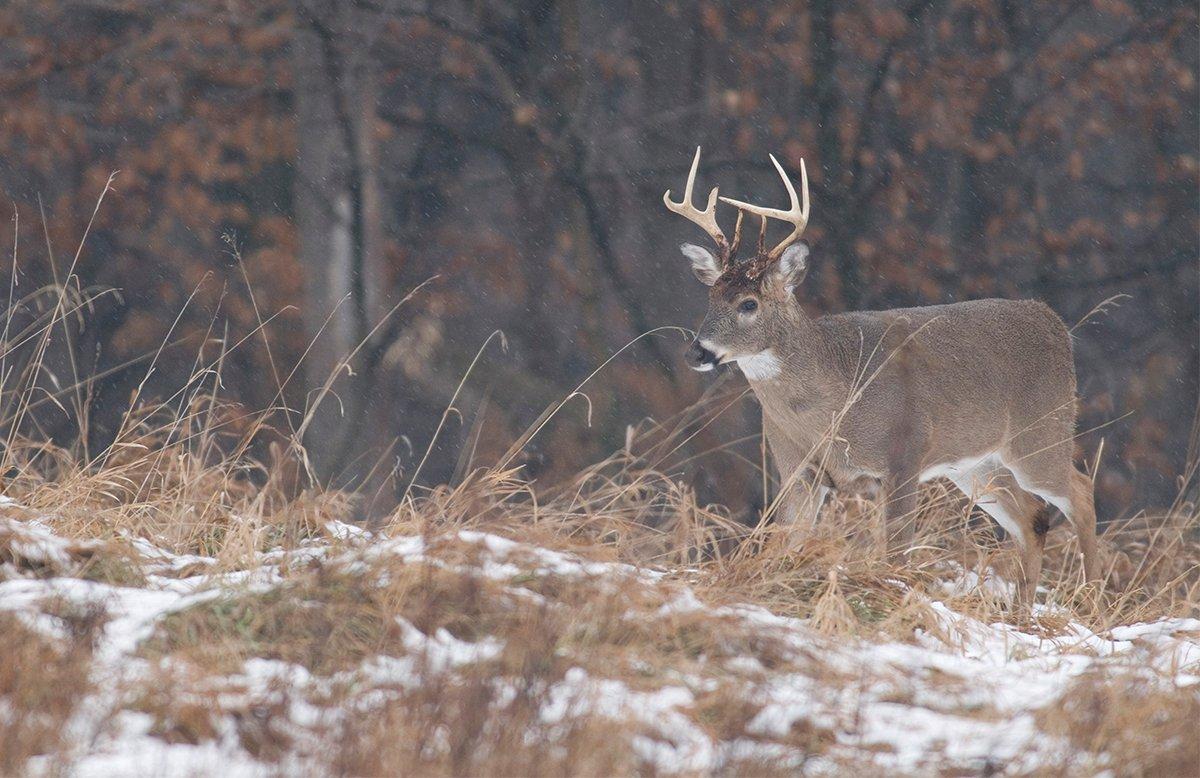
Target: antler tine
pixel 737 235
pixel 796 215
pixel 706 219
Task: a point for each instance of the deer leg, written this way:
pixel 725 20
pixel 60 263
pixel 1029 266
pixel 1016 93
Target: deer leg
pixel 900 509
pixel 1057 481
pixel 804 494
pixel 996 491
pixel 1083 518
pixel 803 486
pixel 907 449
pixel 1078 505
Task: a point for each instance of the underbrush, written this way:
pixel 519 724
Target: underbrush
pixel 605 626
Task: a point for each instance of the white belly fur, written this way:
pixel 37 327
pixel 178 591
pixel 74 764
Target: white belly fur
pixel 955 470
pixel 973 478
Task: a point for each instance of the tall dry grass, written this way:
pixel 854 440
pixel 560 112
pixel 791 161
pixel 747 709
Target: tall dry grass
pixel 198 474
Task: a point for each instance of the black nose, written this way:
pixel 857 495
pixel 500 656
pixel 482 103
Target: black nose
pixel 699 358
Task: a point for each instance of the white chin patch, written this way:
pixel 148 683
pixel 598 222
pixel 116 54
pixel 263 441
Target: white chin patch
pixel 762 366
pixel 703 367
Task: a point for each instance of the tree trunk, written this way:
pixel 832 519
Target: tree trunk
pixel 337 215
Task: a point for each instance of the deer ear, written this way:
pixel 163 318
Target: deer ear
pixel 704 264
pixel 792 266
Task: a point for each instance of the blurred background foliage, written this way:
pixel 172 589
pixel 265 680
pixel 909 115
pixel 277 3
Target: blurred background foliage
pixel 315 161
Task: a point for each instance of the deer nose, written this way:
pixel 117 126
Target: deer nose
pixel 699 358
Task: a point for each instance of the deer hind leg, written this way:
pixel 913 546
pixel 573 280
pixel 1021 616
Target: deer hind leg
pixel 1083 518
pixel 1079 506
pixel 996 491
pixel 1051 475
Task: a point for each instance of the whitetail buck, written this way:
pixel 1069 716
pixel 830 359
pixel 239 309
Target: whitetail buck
pixel 981 392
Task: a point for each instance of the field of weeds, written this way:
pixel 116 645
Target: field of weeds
pixel 169 611
pixel 178 605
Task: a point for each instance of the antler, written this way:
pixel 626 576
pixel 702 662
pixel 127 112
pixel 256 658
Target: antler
pixel 706 219
pixel 796 215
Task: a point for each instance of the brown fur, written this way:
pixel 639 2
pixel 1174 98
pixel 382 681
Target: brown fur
pixel 982 392
pixel 1041 520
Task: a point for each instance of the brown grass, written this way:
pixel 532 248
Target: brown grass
pixel 42 682
pixel 330 614
pixel 1143 728
pixel 194 475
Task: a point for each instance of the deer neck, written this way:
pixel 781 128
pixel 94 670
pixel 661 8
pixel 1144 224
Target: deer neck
pixel 798 370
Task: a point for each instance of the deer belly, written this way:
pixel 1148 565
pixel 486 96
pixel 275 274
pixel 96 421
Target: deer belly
pixel 956 469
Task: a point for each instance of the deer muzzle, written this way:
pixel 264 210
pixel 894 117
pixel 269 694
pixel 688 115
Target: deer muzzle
pixel 699 358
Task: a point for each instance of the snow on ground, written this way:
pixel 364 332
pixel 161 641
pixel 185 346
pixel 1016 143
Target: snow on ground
pixel 967 703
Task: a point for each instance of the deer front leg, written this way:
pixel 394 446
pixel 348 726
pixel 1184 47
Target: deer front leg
pixel 804 492
pixel 900 509
pixel 802 489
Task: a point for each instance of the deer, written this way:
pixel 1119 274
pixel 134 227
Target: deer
pixel 982 392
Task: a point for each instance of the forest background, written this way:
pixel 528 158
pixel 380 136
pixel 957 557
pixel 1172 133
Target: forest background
pixel 310 164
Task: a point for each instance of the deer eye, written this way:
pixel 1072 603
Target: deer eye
pixel 748 306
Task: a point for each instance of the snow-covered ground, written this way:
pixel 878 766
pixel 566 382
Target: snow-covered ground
pixel 964 697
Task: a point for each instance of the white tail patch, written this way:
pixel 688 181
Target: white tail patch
pixel 762 366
